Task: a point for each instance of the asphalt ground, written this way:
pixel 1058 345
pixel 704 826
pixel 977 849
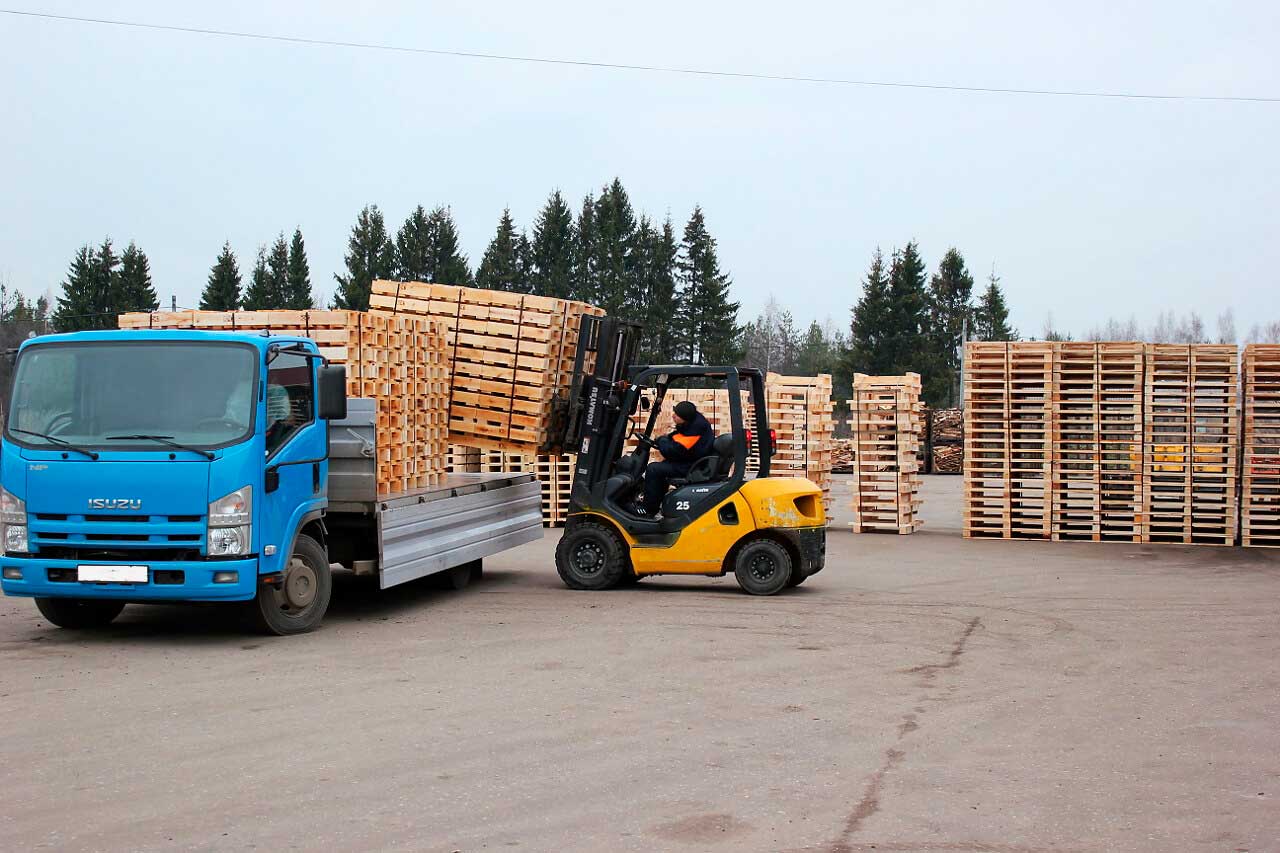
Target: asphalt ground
pixel 923 693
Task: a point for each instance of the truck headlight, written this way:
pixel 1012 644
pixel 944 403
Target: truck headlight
pixel 231 523
pixel 13 520
pixel 228 541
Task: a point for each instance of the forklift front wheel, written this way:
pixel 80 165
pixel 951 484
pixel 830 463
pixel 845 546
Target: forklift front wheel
pixel 298 603
pixel 762 567
pixel 590 556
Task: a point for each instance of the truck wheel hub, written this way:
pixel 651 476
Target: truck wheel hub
pixel 299 585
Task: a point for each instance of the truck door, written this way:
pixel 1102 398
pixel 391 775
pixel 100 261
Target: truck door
pixel 296 451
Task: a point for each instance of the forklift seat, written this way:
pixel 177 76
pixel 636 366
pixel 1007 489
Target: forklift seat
pixel 712 468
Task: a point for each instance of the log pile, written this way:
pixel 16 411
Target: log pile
pixel 887 422
pixel 1260 485
pixel 842 456
pixel 512 356
pixel 946 441
pixel 399 362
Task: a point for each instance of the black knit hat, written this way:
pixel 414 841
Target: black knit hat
pixel 685 410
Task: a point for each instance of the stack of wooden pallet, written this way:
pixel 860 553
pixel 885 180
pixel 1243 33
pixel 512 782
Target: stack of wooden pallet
pixel 887 422
pixel 946 441
pixel 1215 444
pixel 800 414
pixel 1121 378
pixel 554 472
pixel 1260 490
pixel 400 362
pixel 1030 436
pixel 986 440
pixel 512 356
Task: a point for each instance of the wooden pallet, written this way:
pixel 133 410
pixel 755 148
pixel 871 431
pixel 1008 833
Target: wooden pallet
pixel 554 473
pixel 512 356
pixel 987 480
pixel 1260 442
pixel 399 362
pixel 887 420
pixel 1121 367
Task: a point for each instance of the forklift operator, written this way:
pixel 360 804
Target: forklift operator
pixel 691 440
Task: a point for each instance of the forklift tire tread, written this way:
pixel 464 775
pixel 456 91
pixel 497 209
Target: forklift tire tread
pixel 591 556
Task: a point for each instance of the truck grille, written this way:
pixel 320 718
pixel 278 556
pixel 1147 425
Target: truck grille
pixel 93 536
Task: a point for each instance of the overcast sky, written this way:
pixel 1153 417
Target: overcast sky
pixel 1086 207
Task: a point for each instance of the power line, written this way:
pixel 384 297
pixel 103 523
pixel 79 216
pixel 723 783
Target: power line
pixel 620 66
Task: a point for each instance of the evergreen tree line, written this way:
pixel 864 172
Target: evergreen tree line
pixel 634 268
pixel 280 279
pixel 101 284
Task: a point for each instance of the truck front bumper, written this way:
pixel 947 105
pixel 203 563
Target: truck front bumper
pixel 166 581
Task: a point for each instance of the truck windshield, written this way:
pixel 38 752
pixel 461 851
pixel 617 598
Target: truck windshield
pixel 197 394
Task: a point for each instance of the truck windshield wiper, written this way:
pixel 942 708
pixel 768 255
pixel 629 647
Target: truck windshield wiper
pixel 163 439
pixel 58 441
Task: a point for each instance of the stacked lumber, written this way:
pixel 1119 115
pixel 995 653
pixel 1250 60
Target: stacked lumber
pixel 887 422
pixel 800 414
pixel 1260 475
pixel 986 440
pixel 946 441
pixel 554 472
pixel 399 362
pixel 511 353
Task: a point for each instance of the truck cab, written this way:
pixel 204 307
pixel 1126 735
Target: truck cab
pixel 143 466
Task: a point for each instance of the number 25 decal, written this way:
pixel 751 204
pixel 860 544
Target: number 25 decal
pixel 681 505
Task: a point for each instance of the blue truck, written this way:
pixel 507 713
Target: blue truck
pixel 192 466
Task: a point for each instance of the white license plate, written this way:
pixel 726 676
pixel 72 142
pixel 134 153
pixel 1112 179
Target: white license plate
pixel 112 574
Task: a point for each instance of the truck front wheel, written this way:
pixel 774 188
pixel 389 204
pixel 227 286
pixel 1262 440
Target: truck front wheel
pixel 299 602
pixel 79 612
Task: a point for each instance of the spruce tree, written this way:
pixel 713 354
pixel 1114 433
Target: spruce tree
pixel 222 293
pixel 815 354
pixel 370 255
pixel 278 274
pixel 991 317
pixel 132 289
pixel 551 252
pixel 655 277
pixel 708 320
pixel 868 350
pixel 585 272
pixel 502 267
pixel 950 312
pixel 258 296
pixel 298 276
pixel 613 253
pixel 413 248
pixel 906 340
pixel 76 304
pixel 449 265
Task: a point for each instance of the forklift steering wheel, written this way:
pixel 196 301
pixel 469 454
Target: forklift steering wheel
pixel 643 439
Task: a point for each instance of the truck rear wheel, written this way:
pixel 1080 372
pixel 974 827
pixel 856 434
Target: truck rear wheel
pixel 762 567
pixel 302 598
pixel 79 612
pixel 590 556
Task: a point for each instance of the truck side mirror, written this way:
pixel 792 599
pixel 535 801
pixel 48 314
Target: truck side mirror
pixel 333 391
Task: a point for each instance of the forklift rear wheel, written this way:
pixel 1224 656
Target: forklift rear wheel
pixel 303 597
pixel 762 567
pixel 79 612
pixel 590 556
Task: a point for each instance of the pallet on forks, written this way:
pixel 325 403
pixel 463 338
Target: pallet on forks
pixel 887 421
pixel 1260 474
pixel 512 356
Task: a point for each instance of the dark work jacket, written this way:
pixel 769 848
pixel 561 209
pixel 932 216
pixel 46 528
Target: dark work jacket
pixel 690 442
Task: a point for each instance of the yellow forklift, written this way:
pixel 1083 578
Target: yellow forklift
pixel 769 531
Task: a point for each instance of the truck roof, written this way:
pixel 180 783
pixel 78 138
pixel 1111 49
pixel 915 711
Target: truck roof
pixel 256 339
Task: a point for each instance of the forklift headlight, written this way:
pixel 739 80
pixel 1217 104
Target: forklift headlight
pixel 232 510
pixel 228 541
pixel 15 539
